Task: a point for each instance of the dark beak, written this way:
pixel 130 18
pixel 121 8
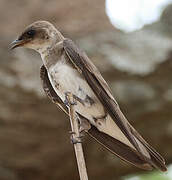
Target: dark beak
pixel 16 43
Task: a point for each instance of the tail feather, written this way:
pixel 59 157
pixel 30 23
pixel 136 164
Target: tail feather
pixel 127 153
pixel 157 160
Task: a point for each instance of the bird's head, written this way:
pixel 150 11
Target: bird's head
pixel 38 36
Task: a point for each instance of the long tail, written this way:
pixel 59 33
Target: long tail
pixel 127 153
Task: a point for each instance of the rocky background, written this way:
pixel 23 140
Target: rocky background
pixel 34 138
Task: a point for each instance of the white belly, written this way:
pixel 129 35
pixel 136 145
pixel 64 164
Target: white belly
pixel 66 79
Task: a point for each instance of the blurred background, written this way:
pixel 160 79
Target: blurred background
pixel 129 41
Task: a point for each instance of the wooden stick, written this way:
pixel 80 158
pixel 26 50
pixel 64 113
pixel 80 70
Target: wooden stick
pixel 77 146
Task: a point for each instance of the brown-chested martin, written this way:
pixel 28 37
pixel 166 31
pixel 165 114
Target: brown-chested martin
pixel 68 69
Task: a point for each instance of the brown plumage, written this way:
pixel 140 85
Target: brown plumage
pixel 67 68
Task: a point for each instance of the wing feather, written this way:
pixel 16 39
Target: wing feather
pixel 103 92
pixel 114 146
pixel 99 86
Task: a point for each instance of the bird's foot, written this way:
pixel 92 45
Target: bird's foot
pixel 75 140
pixel 67 102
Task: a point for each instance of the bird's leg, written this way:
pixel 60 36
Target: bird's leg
pixel 83 127
pixel 69 102
pixel 75 140
pixel 66 101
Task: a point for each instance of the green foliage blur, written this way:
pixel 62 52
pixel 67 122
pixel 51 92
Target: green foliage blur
pixel 155 175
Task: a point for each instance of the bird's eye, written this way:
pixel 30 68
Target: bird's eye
pixel 31 33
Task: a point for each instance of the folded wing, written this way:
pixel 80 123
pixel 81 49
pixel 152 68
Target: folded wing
pixel 93 77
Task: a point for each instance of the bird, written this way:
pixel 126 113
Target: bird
pixel 67 69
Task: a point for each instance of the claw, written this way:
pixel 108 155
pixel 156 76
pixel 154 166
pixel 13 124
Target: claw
pixel 66 101
pixel 75 140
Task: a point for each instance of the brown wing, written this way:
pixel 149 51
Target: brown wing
pixel 116 147
pixel 99 86
pixel 102 91
pixel 111 144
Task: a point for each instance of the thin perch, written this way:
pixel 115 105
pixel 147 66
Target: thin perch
pixel 76 135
